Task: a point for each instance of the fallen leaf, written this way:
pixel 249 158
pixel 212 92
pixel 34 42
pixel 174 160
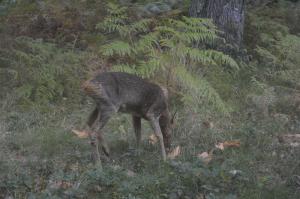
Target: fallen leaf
pixel 153 139
pixel 174 153
pixel 227 144
pixel 206 157
pixel 220 146
pixel 291 139
pixel 294 144
pixel 98 188
pixel 232 143
pixel 208 124
pixel 130 173
pixel 116 167
pixel 200 196
pixel 81 134
pixel 203 155
pixel 60 185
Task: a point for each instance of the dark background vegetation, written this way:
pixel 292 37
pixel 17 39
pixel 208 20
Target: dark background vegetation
pixel 235 77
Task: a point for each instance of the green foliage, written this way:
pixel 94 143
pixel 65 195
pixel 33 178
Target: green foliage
pixel 191 87
pixel 118 48
pixel 152 48
pixel 276 49
pixel 43 73
pixel 116 18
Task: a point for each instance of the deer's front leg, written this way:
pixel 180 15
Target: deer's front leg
pixel 95 151
pixel 93 136
pixel 155 125
pixel 103 143
pixel 105 113
pixel 92 118
pixel 137 130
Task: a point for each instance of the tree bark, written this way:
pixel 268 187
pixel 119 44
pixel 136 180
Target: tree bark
pixel 228 15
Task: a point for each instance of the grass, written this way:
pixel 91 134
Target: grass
pixel 41 158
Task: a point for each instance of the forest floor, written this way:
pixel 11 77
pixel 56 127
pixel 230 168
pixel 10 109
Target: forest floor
pixel 42 158
pixel 47 48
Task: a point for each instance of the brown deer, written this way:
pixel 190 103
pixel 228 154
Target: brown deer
pixel 126 93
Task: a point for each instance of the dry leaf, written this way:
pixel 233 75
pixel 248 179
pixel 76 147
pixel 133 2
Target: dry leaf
pixel 208 124
pixel 81 134
pixel 291 139
pixel 206 157
pixel 200 196
pixel 232 143
pixel 294 144
pixel 174 153
pixel 220 146
pixel 98 188
pixel 60 185
pixel 203 155
pixel 130 173
pixel 227 144
pixel 153 139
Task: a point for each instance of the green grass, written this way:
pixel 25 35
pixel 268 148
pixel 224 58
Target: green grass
pixel 41 158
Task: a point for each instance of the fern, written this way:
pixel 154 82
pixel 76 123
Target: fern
pixel 119 48
pixel 221 58
pixel 200 90
pixel 43 73
pixel 125 68
pixel 147 42
pixel 116 19
pixel 157 51
pixel 137 27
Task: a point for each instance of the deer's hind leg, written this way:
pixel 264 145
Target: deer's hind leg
pixel 137 130
pixel 92 118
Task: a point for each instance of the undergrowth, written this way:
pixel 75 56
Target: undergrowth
pixel 41 104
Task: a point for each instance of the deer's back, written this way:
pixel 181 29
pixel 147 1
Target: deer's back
pixel 128 93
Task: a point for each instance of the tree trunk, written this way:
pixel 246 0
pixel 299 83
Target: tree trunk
pixel 228 15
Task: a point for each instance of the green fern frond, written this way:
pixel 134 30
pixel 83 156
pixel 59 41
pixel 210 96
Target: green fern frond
pixel 148 68
pixel 167 43
pixel 200 23
pixel 147 42
pixel 125 68
pixel 114 9
pixel 140 26
pixel 116 19
pixel 111 25
pixel 201 57
pixel 119 48
pixel 200 90
pixel 288 75
pixel 258 84
pixel 168 31
pixel 221 58
pixel 191 37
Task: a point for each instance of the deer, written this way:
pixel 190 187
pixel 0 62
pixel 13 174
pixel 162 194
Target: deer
pixel 120 92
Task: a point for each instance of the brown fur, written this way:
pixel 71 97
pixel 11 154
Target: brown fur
pixel 126 93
